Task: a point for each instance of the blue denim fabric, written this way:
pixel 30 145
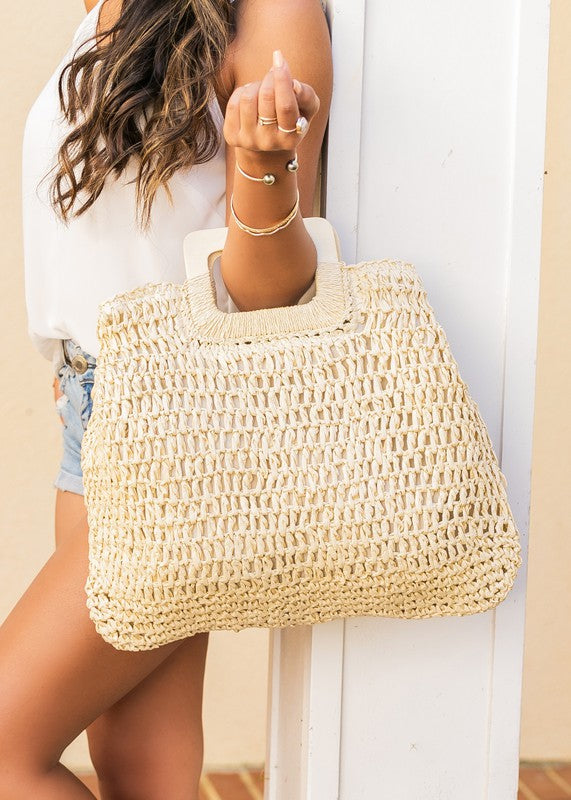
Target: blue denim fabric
pixel 74 408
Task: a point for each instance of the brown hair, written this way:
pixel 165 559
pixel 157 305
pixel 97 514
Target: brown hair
pixel 144 91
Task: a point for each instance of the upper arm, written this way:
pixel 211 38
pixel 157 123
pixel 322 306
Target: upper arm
pixel 299 29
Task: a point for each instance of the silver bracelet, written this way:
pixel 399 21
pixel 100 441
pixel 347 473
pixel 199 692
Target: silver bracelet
pixel 269 178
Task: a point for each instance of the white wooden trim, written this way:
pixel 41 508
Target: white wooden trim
pixel 522 294
pixel 343 147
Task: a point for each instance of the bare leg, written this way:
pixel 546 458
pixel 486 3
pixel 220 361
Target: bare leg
pixel 150 742
pixel 57 675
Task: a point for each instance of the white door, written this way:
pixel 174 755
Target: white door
pixel 435 155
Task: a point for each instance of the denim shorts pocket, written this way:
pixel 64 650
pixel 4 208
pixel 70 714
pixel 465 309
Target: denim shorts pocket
pixel 62 408
pixel 63 374
pixel 74 407
pixel 76 388
pixel 85 381
pixel 62 404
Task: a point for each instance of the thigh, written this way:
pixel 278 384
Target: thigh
pixel 57 674
pixel 152 736
pixel 160 719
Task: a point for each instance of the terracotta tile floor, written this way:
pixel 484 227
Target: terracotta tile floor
pixel 537 781
pixel 544 781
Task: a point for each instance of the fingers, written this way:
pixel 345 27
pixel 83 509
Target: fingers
pixel 267 99
pixel 287 110
pixel 277 95
pixel 307 100
pixel 231 128
pixel 249 113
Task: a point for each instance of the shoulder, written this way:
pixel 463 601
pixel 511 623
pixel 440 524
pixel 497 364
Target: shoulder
pixel 297 27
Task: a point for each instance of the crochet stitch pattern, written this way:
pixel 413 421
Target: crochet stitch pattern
pixel 286 466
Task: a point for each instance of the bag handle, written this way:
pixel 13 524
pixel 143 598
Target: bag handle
pixel 201 248
pixel 331 307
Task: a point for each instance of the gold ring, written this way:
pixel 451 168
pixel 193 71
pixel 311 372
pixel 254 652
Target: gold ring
pixel 267 120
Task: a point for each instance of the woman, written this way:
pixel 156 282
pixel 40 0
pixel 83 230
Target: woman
pixel 136 165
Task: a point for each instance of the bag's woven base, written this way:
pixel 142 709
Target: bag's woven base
pixel 235 480
pixel 302 598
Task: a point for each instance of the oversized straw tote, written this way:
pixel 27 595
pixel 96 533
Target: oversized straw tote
pixel 286 466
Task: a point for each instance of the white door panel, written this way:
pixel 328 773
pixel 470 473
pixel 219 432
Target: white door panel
pixel 435 154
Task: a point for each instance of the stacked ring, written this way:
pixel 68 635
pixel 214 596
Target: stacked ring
pixel 300 126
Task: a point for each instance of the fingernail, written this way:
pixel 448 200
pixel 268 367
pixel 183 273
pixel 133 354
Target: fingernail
pixel 278 59
pixel 296 85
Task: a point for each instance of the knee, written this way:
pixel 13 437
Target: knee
pixel 118 768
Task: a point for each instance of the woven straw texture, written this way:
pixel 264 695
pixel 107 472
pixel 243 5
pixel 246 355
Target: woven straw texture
pixel 286 466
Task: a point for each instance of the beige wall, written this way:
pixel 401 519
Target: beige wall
pixel 33 37
pixel 546 708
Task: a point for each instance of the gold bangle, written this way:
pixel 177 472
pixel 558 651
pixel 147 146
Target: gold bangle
pixel 272 228
pixel 265 231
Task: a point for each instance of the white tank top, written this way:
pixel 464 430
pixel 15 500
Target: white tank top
pixel 68 271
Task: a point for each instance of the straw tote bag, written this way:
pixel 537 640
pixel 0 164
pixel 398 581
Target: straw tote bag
pixel 286 466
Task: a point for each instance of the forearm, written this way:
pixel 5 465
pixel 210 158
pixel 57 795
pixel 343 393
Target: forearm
pixel 274 270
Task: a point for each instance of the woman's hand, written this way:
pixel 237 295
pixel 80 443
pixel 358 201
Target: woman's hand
pixel 276 95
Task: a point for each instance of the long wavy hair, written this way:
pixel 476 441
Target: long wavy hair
pixel 143 91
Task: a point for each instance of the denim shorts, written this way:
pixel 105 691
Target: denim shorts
pixel 75 376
